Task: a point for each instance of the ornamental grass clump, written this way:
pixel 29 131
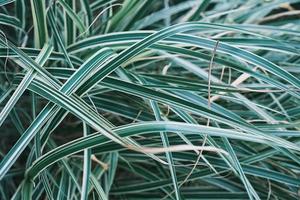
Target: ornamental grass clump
pixel 131 99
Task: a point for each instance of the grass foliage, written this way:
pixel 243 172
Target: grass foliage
pixel 142 99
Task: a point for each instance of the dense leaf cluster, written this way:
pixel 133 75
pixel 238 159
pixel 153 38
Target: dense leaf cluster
pixel 142 99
